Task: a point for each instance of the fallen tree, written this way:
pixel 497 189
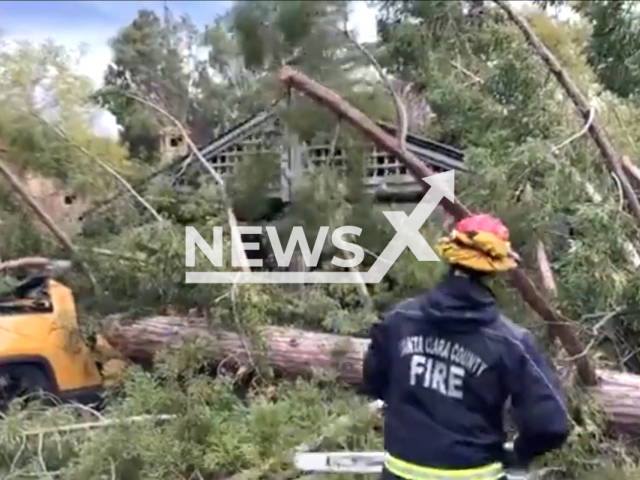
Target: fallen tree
pixel 563 326
pixel 292 351
pixel 296 352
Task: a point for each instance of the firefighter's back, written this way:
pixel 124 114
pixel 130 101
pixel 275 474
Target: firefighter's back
pixel 448 371
pixel 450 364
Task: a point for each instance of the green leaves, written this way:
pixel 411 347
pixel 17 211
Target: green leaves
pixel 270 32
pixel 614 44
pixel 150 60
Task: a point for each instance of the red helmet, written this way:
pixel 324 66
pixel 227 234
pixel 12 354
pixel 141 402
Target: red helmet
pixel 483 223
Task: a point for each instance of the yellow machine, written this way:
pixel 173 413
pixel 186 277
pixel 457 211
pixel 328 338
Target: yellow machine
pixel 41 349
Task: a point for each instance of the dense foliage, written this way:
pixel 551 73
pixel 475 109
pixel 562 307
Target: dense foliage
pixel 486 92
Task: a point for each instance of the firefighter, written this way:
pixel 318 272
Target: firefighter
pixel 445 364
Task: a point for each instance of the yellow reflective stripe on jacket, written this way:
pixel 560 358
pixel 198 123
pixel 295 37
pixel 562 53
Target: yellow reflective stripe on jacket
pixel 410 471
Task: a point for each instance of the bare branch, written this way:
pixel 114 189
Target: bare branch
pixel 579 134
pixel 401 110
pixel 101 424
pixel 468 73
pixel 62 134
pixel 236 239
pixel 630 168
pixel 595 331
pixel 334 144
pixel 27 262
pixel 45 219
pixel 549 284
pixel 546 273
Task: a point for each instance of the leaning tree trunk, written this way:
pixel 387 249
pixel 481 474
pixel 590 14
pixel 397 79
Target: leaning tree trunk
pixel 298 352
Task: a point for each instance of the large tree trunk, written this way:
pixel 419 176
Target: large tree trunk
pixel 298 352
pixel 287 350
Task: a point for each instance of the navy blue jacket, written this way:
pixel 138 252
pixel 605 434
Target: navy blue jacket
pixel 445 364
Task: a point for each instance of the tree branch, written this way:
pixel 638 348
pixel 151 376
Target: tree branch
pixel 608 153
pixel 401 110
pixel 546 273
pixel 119 178
pixel 45 219
pixel 75 427
pixel 236 239
pixel 631 169
pixel 26 262
pixel 549 283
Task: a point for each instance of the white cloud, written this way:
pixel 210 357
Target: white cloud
pixel 363 20
pixel 94 64
pixel 92 51
pixel 105 124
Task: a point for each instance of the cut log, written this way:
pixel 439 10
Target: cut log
pixel 565 329
pixel 292 351
pixel 296 352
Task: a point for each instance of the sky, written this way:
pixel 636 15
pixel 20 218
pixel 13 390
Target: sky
pixel 93 23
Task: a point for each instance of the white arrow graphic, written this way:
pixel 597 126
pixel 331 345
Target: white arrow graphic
pixel 408 227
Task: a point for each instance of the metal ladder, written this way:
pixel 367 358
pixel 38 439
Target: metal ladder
pixel 356 462
pixel 307 460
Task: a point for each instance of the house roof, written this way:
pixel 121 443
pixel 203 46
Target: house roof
pixel 431 152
